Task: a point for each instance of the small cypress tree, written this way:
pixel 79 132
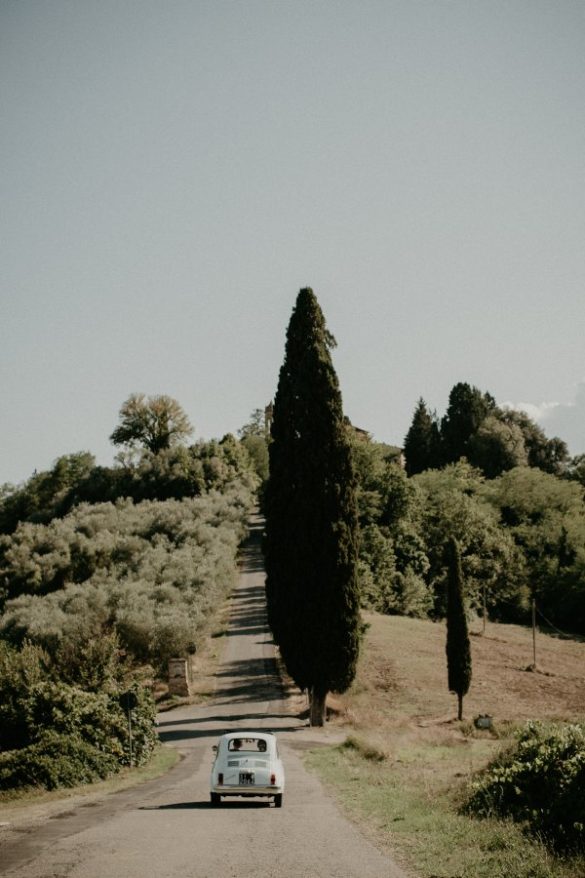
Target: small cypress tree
pixel 421 444
pixel 311 516
pixel 458 646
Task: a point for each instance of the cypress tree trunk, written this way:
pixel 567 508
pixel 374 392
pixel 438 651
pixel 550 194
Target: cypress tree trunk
pixel 317 711
pixel 458 646
pixel 311 516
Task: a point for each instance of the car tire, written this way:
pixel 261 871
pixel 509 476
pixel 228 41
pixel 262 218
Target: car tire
pixel 278 800
pixel 215 799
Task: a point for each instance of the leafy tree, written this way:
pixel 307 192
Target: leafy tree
pixel 377 570
pixel 497 446
pixel 576 469
pixel 545 515
pixel 154 422
pixel 256 426
pixel 454 503
pixel 254 438
pixel 458 646
pixel 45 495
pixel 468 407
pixel 421 444
pixel 372 462
pixel 549 455
pixel 257 448
pixel 311 516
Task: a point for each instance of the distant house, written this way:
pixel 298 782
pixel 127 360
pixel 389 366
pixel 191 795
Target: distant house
pixel 361 434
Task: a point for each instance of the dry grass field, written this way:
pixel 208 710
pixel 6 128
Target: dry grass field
pixel 402 678
pixel 408 761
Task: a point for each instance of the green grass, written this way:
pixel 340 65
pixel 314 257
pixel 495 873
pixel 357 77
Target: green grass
pixel 403 802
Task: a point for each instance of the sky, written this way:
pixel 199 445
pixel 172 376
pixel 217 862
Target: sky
pixel 173 172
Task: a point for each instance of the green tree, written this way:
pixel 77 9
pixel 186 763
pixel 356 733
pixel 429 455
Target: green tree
pixel 46 494
pixel 311 516
pixel 497 446
pixel 458 646
pixel 154 422
pixel 453 504
pixel 256 426
pixel 549 455
pixel 254 438
pixel 576 469
pixel 545 515
pixel 372 460
pixel 421 444
pixel 468 407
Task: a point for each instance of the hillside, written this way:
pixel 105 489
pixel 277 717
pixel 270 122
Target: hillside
pixel 403 675
pixel 407 763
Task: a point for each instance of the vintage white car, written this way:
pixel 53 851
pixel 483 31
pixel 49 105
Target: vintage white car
pixel 247 764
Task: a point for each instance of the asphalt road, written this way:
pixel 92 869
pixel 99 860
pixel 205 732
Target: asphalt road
pixel 167 827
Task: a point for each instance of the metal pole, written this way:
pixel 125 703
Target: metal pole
pixel 130 734
pixel 534 633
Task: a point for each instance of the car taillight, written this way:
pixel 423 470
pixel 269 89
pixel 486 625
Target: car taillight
pixel 272 780
pixel 220 777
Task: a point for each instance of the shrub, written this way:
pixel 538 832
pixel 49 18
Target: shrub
pixel 540 782
pixel 149 573
pixel 56 734
pixel 55 760
pixel 365 750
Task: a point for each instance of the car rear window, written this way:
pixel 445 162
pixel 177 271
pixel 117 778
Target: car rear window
pixel 247 745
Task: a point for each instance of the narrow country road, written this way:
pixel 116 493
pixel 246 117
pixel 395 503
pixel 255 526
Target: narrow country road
pixel 167 828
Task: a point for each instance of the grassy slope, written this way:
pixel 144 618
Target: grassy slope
pixel 399 710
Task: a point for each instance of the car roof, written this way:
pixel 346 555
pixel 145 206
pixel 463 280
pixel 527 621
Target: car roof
pixel 248 733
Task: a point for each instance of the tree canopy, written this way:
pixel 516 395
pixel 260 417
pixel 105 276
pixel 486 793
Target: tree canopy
pixel 421 445
pixel 468 407
pixel 154 422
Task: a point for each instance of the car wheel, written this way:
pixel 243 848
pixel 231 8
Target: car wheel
pixel 278 800
pixel 215 799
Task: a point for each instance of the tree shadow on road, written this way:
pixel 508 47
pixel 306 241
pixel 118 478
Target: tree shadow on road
pixel 192 734
pixel 225 718
pixel 205 805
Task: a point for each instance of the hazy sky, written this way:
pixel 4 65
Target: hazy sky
pixel 173 172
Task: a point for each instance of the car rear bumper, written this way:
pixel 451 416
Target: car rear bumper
pixel 246 790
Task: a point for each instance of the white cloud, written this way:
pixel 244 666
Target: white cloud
pixel 566 420
pixel 538 412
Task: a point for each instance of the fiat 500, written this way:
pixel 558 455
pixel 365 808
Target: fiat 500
pixel 247 764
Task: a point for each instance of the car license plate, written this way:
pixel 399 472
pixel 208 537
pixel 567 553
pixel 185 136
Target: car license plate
pixel 246 778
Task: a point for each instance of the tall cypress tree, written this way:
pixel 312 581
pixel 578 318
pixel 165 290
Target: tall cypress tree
pixel 458 646
pixel 421 444
pixel 311 516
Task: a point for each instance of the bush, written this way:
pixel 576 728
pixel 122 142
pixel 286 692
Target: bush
pixel 56 734
pixel 55 760
pixel 540 782
pixel 149 573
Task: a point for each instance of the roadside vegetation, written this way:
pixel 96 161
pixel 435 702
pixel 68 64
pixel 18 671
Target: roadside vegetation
pixel 452 799
pixel 106 574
